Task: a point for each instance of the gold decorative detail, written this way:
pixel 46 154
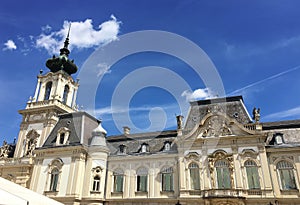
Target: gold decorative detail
pixel 219 155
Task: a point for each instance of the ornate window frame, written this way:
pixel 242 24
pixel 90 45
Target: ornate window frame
pixel 55 164
pixel 95 185
pixel 213 158
pixel 293 169
pixel 30 142
pixel 192 157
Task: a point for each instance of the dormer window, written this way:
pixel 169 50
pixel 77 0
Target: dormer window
pixel 167 146
pixel 122 149
pixel 62 137
pixel 278 138
pixel 144 148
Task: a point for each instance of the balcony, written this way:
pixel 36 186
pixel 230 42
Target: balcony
pixel 45 103
pixel 221 193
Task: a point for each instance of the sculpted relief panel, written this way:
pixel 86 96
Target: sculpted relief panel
pixel 215 126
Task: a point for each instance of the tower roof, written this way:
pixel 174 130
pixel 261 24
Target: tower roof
pixel 62 62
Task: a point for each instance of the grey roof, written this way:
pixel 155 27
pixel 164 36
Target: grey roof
pixel 289 129
pixel 133 142
pixel 80 125
pixel 281 125
pixel 231 106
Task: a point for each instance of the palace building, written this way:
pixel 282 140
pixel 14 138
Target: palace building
pixel 220 155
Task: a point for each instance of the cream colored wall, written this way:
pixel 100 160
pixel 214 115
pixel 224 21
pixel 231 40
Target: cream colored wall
pixel 291 155
pixel 129 164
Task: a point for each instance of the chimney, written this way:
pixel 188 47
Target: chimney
pixel 126 130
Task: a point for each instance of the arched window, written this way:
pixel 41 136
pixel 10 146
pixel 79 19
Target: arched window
pixel 66 93
pixel 223 174
pixel 54 179
pixel 194 176
pixel 142 180
pixel 167 146
pixel 167 179
pixel 144 148
pixel 48 91
pixel 96 174
pixel 252 174
pixel 118 181
pixel 96 183
pixel 55 168
pixel 62 136
pixel 286 175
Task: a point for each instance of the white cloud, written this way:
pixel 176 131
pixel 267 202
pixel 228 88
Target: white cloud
pixel 82 35
pixel 46 29
pixel 10 45
pixel 293 112
pixel 198 94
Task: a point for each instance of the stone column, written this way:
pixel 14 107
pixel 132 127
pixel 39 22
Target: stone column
pixel 35 98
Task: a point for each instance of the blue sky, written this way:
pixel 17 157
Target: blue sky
pixel 255 47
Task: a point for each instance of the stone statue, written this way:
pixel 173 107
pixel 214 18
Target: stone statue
pixel 225 130
pixel 256 114
pixel 4 150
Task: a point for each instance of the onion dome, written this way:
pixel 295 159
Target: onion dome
pixel 62 62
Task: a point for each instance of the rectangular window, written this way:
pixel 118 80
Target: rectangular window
pixel 96 183
pixel 167 181
pixel 142 183
pixel 195 178
pixel 53 182
pixel 62 138
pixel 287 179
pixel 253 178
pixel 223 178
pixel 118 183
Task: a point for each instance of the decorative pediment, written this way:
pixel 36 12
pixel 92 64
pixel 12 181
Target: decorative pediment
pixel 217 124
pixel 192 156
pixel 249 153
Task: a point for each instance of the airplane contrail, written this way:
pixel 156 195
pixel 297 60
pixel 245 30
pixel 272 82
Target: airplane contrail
pixel 264 80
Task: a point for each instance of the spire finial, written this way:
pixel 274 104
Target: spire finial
pixel 67 39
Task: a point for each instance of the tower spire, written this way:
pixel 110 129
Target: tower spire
pixel 65 49
pixel 66 43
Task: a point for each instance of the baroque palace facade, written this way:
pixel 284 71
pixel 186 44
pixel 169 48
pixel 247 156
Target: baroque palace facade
pixel 219 156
